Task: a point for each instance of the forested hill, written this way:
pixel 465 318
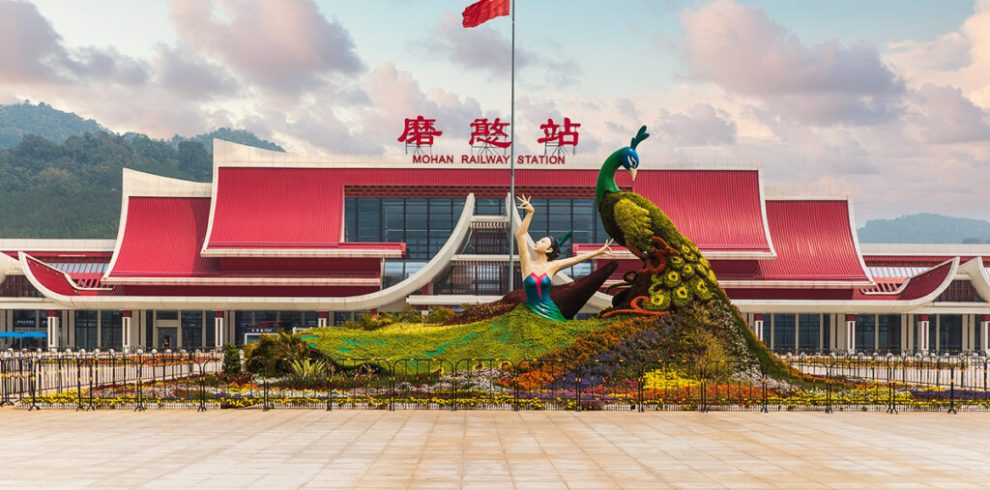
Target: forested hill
pixel 58 184
pixel 19 120
pixel 925 228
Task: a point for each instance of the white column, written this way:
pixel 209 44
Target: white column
pixel 322 320
pixel 923 326
pixel 218 330
pixel 907 334
pixel 53 330
pixel 984 333
pixel 965 333
pixel 850 333
pixel 125 325
pixel 758 326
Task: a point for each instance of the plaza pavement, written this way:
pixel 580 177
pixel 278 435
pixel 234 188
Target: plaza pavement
pixel 483 449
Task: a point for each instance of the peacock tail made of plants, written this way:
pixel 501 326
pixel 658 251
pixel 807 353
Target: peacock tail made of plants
pixel 673 275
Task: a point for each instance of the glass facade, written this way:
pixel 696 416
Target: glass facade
pixel 86 325
pixel 866 326
pixel 809 332
pixel 889 333
pixel 950 333
pixel 489 206
pixel 423 224
pixel 783 332
pixel 111 330
pixel 192 329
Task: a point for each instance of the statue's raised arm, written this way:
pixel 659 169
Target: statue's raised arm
pixel 539 265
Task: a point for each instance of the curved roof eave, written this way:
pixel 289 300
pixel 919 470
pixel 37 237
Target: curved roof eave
pixel 978 276
pixel 8 266
pixel 855 305
pixel 137 183
pixel 376 299
pixel 25 264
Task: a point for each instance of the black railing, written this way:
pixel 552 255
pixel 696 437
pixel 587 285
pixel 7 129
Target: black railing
pixel 193 380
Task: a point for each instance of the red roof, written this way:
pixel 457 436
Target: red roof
pixel 917 287
pixel 720 210
pixel 814 242
pixel 162 238
pixel 277 208
pixel 56 280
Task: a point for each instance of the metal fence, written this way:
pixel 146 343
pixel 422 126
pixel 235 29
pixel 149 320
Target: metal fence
pixel 194 380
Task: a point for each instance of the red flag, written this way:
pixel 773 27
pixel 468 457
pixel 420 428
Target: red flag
pixel 484 10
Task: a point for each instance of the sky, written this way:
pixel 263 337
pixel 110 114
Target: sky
pixel 886 101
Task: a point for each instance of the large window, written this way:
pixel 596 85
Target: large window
pixel 192 329
pixel 809 331
pixel 783 332
pixel 86 325
pixel 889 333
pixel 866 326
pixel 950 333
pixel 111 330
pixel 423 224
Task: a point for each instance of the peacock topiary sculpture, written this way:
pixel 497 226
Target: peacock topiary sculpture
pixel 674 272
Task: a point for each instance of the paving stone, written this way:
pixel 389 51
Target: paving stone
pixel 466 449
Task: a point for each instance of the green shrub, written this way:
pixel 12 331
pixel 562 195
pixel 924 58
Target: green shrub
pixel 439 314
pixel 273 355
pixel 231 360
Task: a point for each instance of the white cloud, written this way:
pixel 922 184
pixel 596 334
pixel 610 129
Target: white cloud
pixel 741 49
pixel 701 125
pixel 285 46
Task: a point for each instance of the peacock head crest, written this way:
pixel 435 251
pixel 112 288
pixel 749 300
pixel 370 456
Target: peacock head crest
pixel 628 157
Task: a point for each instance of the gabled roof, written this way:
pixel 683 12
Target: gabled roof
pixel 58 287
pixel 276 204
pixel 163 223
pixel 720 210
pixel 816 245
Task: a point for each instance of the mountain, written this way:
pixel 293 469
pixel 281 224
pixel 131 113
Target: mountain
pixel 234 135
pixel 18 120
pixel 60 173
pixel 925 228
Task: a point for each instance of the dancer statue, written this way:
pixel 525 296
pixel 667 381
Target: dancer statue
pixel 539 268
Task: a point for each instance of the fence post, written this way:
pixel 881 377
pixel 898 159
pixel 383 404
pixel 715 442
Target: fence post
pixel 92 374
pixel 140 382
pixel 763 381
pixel 704 390
pixel 640 388
pixel 32 385
pixel 202 387
pixel 4 380
pixel 891 378
pixel 264 404
pixel 828 384
pixel 515 387
pixel 329 385
pixel 79 381
pixel 952 389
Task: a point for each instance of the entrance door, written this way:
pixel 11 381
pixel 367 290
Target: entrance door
pixel 167 334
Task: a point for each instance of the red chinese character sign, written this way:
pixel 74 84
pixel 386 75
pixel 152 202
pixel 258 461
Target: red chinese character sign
pixel 556 137
pixel 419 133
pixel 487 136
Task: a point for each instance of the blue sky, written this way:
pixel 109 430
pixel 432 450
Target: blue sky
pixel 883 100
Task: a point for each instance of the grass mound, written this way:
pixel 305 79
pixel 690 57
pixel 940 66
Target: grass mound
pixel 515 336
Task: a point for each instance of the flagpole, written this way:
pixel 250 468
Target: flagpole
pixel 512 152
